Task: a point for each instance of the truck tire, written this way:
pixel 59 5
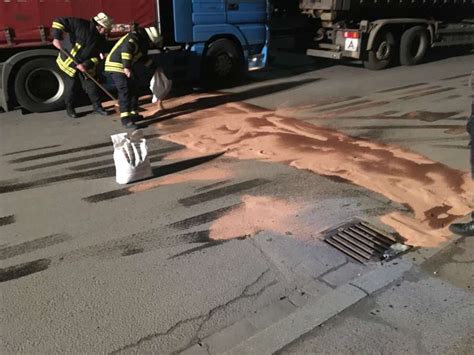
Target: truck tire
pixel 39 86
pixel 413 45
pixel 223 63
pixel 383 51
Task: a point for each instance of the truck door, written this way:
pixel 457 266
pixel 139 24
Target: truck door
pixel 209 12
pixel 250 16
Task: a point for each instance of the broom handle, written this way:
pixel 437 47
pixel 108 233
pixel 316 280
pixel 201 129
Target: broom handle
pixel 89 76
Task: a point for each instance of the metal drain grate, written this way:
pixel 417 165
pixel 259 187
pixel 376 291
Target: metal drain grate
pixel 359 240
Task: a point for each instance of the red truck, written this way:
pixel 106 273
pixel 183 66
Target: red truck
pixel 225 38
pixel 29 73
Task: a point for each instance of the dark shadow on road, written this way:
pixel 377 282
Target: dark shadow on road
pixel 439 54
pixel 213 101
pixel 183 165
pixel 158 171
pixel 209 243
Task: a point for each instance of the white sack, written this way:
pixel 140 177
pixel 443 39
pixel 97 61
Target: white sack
pixel 160 85
pixel 131 157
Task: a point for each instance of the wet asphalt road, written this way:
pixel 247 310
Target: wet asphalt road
pixel 90 267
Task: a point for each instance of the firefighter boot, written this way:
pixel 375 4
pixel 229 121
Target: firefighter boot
pixel 464 229
pixel 128 123
pixel 99 109
pixel 136 117
pixel 71 112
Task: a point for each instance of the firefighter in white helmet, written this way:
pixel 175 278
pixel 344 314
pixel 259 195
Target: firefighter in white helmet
pixel 126 53
pixel 84 43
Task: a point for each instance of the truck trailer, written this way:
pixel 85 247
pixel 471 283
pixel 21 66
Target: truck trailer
pixel 216 39
pixel 386 32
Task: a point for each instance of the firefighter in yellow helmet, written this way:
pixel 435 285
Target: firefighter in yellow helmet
pixel 127 52
pixel 84 43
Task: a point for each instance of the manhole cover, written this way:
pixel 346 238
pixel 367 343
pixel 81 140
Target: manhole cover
pixel 363 242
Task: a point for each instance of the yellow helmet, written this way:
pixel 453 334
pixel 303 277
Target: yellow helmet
pixel 153 35
pixel 103 20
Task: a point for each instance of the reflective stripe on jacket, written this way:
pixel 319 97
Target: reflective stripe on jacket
pixel 127 51
pixel 83 42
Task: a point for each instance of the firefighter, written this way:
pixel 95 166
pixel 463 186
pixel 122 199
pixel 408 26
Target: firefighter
pixel 85 42
pixel 127 52
pixel 467 229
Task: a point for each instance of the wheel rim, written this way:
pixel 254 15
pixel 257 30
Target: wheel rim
pixel 223 65
pixel 44 85
pixel 384 51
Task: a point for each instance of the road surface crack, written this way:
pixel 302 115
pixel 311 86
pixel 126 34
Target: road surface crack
pixel 155 335
pixel 204 317
pixel 243 295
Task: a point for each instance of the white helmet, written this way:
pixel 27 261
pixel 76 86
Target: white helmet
pixel 153 35
pixel 103 20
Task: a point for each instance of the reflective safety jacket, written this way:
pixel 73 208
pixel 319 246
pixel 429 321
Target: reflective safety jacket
pixel 127 51
pixel 83 42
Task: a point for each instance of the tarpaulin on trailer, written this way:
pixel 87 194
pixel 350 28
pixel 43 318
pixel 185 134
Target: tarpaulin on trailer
pixel 440 10
pixel 24 18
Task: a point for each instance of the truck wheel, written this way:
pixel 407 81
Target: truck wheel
pixel 383 51
pixel 223 63
pixel 413 45
pixel 39 86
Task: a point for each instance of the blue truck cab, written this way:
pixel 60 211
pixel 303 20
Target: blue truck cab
pixel 227 37
pixel 206 41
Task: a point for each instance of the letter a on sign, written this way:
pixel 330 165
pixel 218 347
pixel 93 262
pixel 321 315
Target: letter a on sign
pixel 351 44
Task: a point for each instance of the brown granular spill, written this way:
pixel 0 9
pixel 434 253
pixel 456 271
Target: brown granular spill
pixel 257 213
pixel 437 194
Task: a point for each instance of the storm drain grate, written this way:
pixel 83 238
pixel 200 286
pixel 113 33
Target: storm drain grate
pixel 361 241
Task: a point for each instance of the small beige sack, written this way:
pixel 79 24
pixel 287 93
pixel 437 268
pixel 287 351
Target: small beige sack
pixel 131 157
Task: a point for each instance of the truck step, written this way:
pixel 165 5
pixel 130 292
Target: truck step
pixel 324 53
pixel 330 46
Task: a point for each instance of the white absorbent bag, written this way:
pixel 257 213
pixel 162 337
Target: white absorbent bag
pixel 131 157
pixel 160 85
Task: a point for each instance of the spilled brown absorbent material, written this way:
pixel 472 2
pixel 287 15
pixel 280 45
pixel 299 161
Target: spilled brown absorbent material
pixel 436 193
pixel 257 213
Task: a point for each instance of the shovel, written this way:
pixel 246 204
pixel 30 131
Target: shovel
pixel 100 86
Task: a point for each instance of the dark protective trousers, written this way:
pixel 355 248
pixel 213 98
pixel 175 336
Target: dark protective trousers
pixel 127 89
pixel 70 88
